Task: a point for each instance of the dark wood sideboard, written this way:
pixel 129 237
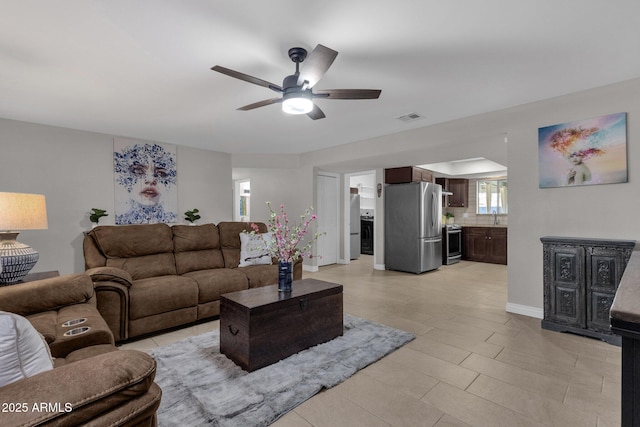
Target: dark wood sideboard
pixel 581 277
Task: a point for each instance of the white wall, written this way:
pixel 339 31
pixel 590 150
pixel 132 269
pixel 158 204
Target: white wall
pixel 293 187
pixel 602 211
pixel 74 170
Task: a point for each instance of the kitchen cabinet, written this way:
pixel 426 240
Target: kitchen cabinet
pixel 406 174
pixel 443 183
pixel 460 189
pixel 581 277
pixel 485 244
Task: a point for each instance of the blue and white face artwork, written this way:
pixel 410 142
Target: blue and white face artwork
pixel 148 173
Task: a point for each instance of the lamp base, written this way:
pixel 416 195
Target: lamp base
pixel 16 259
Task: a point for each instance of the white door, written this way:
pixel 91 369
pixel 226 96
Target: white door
pixel 327 211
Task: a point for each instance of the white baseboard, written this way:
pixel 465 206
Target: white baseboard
pixel 310 268
pixel 525 310
pixel 378 266
pixel 343 261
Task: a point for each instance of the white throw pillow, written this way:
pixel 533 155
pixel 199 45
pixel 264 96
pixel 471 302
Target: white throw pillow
pixel 254 249
pixel 23 351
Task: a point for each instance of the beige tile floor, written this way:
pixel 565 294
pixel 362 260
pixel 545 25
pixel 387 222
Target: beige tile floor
pixel 471 364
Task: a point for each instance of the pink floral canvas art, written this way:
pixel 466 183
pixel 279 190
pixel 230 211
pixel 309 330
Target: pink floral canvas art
pixel 585 152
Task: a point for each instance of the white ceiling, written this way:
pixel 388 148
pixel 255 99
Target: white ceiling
pixel 470 168
pixel 142 68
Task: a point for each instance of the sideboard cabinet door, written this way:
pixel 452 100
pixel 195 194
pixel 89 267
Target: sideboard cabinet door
pixel 604 271
pixel 564 285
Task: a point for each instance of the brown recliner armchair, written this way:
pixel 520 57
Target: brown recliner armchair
pixel 92 381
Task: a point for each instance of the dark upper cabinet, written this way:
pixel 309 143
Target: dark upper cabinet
pixel 460 189
pixel 485 244
pixel 443 183
pixel 406 174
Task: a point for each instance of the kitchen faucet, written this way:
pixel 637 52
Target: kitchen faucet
pixel 495 217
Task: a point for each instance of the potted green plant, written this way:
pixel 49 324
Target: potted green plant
pixel 449 217
pixel 96 214
pixel 192 216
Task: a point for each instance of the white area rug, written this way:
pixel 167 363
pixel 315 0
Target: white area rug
pixel 202 387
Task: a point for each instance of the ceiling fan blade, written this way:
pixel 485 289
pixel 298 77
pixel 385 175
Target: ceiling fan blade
pixel 260 104
pixel 316 65
pixel 247 78
pixel 316 113
pixel 348 93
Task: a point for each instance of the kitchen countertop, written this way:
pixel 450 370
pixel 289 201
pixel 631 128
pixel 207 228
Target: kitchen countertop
pixel 625 312
pixel 485 225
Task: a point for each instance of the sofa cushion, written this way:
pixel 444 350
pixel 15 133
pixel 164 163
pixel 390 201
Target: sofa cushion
pixel 197 247
pixel 230 240
pixel 254 249
pixel 161 295
pixel 213 283
pixel 23 351
pixel 143 250
pixel 129 241
pixel 143 267
pixel 260 275
pixel 195 237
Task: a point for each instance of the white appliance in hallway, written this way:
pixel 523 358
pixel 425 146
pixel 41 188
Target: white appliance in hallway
pixel 354 226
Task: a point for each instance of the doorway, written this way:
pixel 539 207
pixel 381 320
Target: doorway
pixel 242 200
pixel 364 183
pixel 328 213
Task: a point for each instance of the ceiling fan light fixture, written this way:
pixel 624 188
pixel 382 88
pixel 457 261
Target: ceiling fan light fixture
pixel 299 103
pixel 297 89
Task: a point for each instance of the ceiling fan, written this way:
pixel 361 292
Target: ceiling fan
pixel 296 89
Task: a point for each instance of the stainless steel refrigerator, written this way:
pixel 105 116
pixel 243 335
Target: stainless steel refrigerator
pixel 354 226
pixel 413 227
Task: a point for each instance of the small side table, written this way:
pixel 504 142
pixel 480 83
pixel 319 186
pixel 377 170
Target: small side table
pixel 38 276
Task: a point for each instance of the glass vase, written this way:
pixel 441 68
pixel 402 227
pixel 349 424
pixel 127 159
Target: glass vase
pixel 285 276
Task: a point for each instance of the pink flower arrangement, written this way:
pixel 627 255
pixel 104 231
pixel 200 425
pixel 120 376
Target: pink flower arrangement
pixel 286 236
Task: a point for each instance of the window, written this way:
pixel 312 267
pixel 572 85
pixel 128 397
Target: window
pixel 492 196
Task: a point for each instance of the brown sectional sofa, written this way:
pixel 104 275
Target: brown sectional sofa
pixel 102 385
pixel 150 277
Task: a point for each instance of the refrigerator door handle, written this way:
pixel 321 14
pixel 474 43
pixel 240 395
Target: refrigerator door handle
pixel 433 239
pixel 434 210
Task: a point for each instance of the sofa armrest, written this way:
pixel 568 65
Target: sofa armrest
pixel 113 305
pixel 110 274
pixel 79 392
pixel 112 290
pixel 47 294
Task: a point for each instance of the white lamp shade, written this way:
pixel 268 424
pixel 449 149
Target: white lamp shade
pixel 297 105
pixel 19 211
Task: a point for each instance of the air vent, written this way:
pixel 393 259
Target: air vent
pixel 409 117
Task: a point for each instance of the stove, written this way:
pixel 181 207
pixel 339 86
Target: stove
pixel 451 244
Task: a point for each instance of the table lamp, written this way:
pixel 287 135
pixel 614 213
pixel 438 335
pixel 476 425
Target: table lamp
pixel 19 212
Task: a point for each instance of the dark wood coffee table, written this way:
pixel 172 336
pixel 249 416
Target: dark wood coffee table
pixel 261 326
